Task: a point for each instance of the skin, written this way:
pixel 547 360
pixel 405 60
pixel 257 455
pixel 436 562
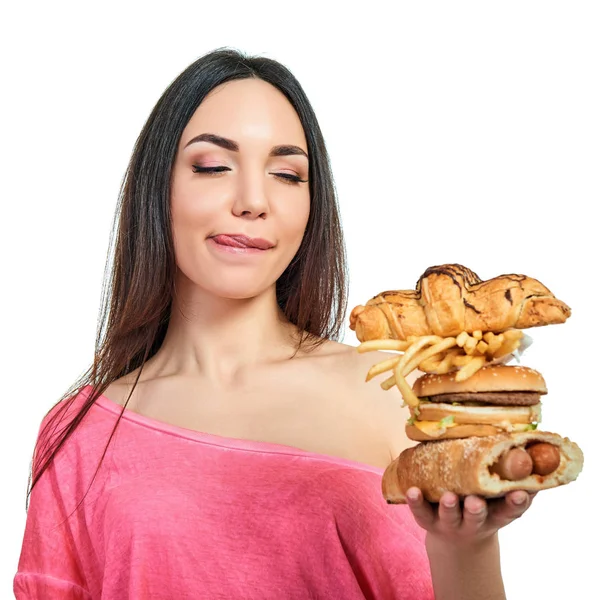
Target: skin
pixel 226 364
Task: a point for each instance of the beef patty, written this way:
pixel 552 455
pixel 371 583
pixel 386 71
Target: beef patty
pixel 499 398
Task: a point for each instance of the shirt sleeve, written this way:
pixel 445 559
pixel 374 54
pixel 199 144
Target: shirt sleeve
pixel 49 564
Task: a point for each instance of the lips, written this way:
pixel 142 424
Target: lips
pixel 242 241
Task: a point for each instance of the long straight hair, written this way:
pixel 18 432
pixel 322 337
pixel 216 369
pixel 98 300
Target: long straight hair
pixel 139 279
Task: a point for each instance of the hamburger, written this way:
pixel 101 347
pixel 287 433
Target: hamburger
pixel 496 399
pixel 474 416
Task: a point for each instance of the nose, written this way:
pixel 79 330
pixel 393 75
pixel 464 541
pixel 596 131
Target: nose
pixel 251 200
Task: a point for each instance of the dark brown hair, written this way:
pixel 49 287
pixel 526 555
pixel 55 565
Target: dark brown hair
pixel 137 290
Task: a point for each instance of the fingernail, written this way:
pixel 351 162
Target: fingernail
pixel 520 499
pixel 413 495
pixel 449 500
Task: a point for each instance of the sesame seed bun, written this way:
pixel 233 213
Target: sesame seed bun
pixel 495 378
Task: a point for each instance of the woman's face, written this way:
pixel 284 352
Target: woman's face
pixel 254 141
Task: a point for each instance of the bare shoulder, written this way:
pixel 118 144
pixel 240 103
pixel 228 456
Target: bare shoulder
pixel 381 409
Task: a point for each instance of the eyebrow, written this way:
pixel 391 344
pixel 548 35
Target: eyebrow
pixel 283 150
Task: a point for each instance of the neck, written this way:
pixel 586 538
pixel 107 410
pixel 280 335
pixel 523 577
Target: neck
pixel 218 338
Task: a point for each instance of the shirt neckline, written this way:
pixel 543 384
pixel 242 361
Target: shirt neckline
pixel 223 441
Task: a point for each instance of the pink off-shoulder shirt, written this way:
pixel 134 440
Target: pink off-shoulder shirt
pixel 175 513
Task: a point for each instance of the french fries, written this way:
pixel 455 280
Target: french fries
pixel 382 367
pixel 466 354
pixel 445 364
pixel 482 347
pixel 494 342
pixel 425 354
pixel 462 338
pixel 414 348
pixel 383 345
pixel 470 346
pixel 389 383
pixel 477 363
pixel 429 365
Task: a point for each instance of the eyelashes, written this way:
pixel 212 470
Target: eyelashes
pixel 286 177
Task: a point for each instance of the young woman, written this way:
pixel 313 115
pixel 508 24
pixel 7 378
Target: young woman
pixel 223 444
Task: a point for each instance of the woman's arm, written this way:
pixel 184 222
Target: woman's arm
pixel 50 563
pixel 466 574
pixel 462 542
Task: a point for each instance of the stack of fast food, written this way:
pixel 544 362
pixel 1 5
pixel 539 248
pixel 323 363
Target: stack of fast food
pixel 475 416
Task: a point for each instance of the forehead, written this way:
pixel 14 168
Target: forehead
pixel 250 110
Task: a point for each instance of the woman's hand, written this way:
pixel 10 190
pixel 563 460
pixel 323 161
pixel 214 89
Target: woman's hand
pixel 462 541
pixel 471 524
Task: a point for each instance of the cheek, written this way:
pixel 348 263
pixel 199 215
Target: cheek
pixel 293 220
pixel 190 208
pixel 195 214
pixel 192 216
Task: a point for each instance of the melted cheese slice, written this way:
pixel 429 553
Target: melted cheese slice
pixel 435 429
pixel 432 428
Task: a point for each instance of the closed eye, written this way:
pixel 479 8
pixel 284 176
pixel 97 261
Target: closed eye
pixel 288 177
pixel 198 169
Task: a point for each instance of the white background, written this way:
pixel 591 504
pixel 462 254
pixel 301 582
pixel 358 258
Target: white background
pixel 458 132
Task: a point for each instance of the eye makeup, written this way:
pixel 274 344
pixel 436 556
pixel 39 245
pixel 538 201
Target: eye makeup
pixel 215 170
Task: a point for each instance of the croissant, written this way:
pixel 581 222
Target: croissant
pixel 449 299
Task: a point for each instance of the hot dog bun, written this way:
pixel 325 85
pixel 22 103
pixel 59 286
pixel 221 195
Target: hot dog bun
pixel 450 298
pixel 463 466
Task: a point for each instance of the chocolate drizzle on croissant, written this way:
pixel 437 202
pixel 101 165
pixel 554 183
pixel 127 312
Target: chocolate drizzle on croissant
pixel 460 276
pixel 451 298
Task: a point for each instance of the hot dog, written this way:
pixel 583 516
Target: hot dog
pixel 514 465
pixel 467 463
pixel 545 458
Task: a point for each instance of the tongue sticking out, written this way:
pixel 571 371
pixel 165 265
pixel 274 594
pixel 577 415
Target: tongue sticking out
pixel 241 241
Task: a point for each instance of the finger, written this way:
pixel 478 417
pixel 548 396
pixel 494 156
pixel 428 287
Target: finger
pixel 421 509
pixel 511 507
pixel 449 511
pixel 474 514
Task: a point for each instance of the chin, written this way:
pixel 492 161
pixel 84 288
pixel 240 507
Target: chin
pixel 238 288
